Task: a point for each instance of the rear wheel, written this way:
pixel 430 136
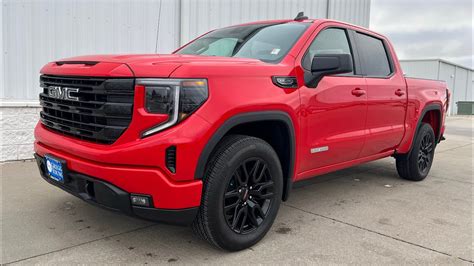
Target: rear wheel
pixel 241 195
pixel 417 164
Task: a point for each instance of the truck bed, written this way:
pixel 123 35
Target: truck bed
pixel 418 83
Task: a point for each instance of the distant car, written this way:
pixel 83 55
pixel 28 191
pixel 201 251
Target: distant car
pixel 215 134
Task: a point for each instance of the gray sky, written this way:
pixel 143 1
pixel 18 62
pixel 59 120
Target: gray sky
pixel 427 28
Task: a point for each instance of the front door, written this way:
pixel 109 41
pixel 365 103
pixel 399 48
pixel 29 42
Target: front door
pixel 334 113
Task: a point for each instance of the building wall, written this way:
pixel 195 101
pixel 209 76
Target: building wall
pixel 198 17
pixel 356 12
pixel 457 78
pixel 16 136
pixel 469 87
pixel 460 82
pixel 39 31
pixel 446 72
pixel 425 69
pixel 2 80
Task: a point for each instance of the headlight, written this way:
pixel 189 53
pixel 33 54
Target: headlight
pixel 177 98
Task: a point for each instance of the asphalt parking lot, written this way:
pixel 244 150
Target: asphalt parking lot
pixel 365 214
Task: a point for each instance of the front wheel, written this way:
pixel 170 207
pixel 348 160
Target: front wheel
pixel 242 193
pixel 416 165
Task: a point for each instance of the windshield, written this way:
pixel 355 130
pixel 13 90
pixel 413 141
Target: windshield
pixel 266 42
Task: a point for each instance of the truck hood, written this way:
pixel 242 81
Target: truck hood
pixel 136 65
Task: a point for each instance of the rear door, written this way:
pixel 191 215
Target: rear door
pixel 386 95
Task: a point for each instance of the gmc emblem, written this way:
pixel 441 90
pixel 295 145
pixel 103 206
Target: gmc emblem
pixel 62 93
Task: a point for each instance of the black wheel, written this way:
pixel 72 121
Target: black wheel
pixel 241 195
pixel 417 164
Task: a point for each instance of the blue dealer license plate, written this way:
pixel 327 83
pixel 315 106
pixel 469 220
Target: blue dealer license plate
pixel 54 167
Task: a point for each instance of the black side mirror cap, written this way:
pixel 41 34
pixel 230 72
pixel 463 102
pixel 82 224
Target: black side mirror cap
pixel 327 64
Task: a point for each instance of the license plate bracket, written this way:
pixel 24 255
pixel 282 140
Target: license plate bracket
pixel 56 168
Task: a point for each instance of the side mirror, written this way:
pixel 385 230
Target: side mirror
pixel 327 64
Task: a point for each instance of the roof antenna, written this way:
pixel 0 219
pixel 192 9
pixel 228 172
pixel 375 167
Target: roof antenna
pixel 301 17
pixel 158 27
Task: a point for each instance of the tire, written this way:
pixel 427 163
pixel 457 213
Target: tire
pixel 417 163
pixel 224 189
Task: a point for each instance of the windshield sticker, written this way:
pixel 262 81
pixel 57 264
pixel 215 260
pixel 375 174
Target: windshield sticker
pixel 275 51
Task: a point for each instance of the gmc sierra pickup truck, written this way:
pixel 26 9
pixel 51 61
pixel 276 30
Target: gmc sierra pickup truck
pixel 215 134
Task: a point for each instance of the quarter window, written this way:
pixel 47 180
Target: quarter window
pixel 329 41
pixel 374 56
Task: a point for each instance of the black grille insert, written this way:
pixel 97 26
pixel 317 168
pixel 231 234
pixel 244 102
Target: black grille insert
pixel 101 114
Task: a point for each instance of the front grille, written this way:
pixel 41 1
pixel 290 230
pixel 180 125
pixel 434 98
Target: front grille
pixel 101 114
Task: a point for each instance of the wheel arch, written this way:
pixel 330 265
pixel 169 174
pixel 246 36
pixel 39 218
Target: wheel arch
pixel 241 124
pixel 431 114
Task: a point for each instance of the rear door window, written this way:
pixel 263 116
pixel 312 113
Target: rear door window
pixel 374 57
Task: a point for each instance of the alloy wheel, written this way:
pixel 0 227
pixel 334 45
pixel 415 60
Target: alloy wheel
pixel 248 197
pixel 425 154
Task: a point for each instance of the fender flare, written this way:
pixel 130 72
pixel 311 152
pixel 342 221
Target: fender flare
pixel 426 109
pixel 244 118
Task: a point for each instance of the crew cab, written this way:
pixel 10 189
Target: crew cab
pixel 215 134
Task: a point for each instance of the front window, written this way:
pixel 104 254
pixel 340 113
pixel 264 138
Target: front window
pixel 329 41
pixel 265 42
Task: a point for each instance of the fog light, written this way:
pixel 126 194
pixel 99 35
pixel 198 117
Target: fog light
pixel 139 200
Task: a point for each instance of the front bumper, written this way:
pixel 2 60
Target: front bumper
pixel 111 197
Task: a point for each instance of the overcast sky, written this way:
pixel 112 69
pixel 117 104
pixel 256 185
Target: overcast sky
pixel 427 28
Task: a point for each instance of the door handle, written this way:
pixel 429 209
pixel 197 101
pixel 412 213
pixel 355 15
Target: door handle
pixel 399 92
pixel 358 92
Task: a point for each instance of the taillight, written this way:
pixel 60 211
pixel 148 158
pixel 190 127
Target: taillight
pixel 177 98
pixel 447 101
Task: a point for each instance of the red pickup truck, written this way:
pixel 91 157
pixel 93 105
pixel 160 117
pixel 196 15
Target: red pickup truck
pixel 215 134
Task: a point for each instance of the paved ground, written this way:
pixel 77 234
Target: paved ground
pixel 361 215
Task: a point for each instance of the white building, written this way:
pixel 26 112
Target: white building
pixel 34 32
pixel 457 77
